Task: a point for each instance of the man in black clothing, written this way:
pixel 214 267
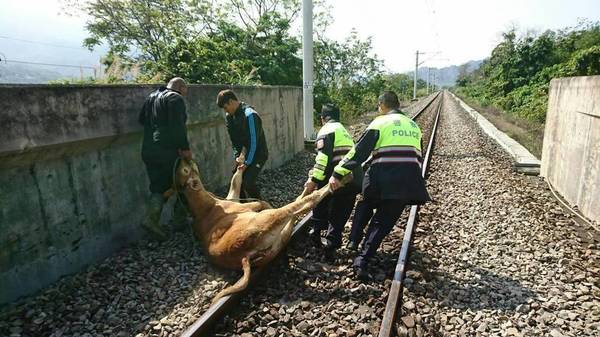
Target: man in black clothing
pixel 245 131
pixel 393 179
pixel 165 139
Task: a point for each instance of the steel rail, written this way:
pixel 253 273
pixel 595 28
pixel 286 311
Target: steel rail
pixel 425 107
pixel 203 325
pixel 395 293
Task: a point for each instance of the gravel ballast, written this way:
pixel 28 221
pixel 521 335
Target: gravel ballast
pixel 494 255
pixel 151 289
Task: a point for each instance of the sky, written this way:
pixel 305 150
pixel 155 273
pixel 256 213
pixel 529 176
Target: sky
pixel 450 32
pixel 51 36
pixel 461 30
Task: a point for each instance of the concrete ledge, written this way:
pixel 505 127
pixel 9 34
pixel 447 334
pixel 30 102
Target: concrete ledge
pixel 524 161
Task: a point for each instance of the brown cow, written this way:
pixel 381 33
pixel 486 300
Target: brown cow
pixel 236 235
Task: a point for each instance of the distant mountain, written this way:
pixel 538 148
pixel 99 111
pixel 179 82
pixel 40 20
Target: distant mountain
pixel 446 76
pixel 59 62
pixel 21 74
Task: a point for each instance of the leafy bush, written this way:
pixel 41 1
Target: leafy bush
pixel 516 77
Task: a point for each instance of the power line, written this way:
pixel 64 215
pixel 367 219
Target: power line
pixel 42 43
pixel 49 64
pixel 80 67
pixel 430 4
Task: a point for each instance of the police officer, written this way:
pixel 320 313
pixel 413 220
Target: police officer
pixel 165 138
pixel 394 178
pixel 332 143
pixel 245 131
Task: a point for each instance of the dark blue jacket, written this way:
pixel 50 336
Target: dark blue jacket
pixel 245 131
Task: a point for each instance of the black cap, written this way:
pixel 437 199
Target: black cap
pixel 330 111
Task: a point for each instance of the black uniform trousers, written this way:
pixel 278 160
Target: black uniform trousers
pixel 249 187
pixel 386 215
pixel 332 213
pixel 363 211
pixel 160 171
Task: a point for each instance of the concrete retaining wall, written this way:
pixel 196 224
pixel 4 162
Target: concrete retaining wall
pixel 571 152
pixel 72 183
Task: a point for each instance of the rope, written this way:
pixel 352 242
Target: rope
pixel 579 215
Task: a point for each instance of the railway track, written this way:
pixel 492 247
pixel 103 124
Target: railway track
pixel 394 299
pixel 494 255
pixel 204 324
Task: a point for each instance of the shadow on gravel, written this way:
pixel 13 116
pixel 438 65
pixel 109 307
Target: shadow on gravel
pixel 126 294
pixel 467 287
pixel 302 274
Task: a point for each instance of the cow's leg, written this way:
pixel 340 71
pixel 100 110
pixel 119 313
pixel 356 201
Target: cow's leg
pixel 287 230
pixel 235 207
pixel 255 206
pixel 235 187
pixel 240 285
pixel 310 201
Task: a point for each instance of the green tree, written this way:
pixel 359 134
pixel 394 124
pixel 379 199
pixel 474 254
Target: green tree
pixel 347 74
pixel 233 41
pixel 517 74
pixel 401 84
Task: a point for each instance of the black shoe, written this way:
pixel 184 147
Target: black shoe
pixel 329 250
pixel 315 238
pixel 362 274
pixel 156 231
pixel 352 246
pixel 329 254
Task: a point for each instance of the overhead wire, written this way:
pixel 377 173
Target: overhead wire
pixel 430 4
pixel 49 64
pixel 41 43
pixel 5 60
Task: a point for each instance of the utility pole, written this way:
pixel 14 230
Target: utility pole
pixel 417 64
pixel 428 78
pixel 307 67
pixel 417 71
pixel 415 77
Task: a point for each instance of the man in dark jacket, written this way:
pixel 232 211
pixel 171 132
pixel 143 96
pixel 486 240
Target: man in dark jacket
pixel 245 131
pixel 393 179
pixel 165 139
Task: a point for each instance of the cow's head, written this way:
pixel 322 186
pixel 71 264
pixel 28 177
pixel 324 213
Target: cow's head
pixel 187 175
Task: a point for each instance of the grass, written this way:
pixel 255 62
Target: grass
pixel 528 133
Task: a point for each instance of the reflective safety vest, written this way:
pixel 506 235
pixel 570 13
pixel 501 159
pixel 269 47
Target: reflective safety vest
pixel 398 141
pixel 394 142
pixel 333 142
